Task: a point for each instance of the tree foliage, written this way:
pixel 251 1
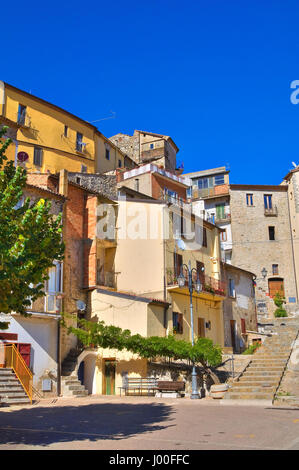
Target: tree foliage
pixel 279 300
pixel 30 239
pixel 107 336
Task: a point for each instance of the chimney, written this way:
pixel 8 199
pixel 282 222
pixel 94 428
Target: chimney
pixel 63 182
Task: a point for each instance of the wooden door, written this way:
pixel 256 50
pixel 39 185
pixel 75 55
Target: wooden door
pixel 109 377
pixel 201 327
pixel 25 351
pixel 276 286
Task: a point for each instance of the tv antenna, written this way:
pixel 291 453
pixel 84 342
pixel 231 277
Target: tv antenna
pixel 104 119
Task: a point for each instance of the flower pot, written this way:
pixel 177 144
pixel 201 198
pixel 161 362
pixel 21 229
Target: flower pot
pixel 218 391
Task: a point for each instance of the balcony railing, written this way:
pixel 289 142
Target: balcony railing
pixel 271 211
pixel 210 192
pixel 106 279
pixel 209 284
pixel 214 219
pixel 23 119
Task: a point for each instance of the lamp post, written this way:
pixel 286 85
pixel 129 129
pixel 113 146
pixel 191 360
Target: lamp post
pixel 198 288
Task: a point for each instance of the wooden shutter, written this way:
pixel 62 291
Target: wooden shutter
pixel 243 325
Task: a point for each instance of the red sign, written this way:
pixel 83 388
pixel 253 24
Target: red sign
pixel 22 156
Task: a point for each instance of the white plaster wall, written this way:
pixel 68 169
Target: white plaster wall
pixel 41 333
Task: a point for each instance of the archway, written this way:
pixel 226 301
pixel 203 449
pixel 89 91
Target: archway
pixel 86 370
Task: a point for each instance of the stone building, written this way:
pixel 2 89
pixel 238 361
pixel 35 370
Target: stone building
pixel 262 242
pixel 147 147
pixel 208 193
pixel 239 309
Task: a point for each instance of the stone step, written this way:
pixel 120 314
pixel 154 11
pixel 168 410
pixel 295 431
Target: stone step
pixel 7 393
pixel 253 389
pixel 10 387
pixel 248 396
pixel 80 392
pixel 254 379
pixel 15 401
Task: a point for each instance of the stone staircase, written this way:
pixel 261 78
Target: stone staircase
pixel 70 384
pixel 261 378
pixel 11 390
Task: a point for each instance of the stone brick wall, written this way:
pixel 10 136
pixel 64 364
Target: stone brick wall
pixel 104 184
pixel 242 306
pixel 252 249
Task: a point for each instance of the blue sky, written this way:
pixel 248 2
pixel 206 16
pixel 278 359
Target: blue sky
pixel 214 75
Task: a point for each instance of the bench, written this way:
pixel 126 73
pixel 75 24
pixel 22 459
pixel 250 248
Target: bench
pixel 171 386
pixel 137 385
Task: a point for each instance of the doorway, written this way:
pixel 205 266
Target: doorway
pixel 109 377
pixel 233 334
pixel 201 327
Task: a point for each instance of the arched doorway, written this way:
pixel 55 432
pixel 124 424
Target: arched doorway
pixel 86 370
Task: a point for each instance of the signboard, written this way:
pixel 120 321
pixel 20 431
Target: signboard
pixel 22 156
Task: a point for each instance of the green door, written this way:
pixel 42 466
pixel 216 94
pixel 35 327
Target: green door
pixel 109 388
pixel 220 211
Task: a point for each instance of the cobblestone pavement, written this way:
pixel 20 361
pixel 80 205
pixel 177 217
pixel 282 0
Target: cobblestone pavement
pixel 142 423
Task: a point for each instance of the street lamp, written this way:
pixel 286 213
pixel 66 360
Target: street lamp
pixel 198 288
pixel 264 273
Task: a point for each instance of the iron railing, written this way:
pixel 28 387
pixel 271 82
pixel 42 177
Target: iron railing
pixel 209 284
pixel 13 360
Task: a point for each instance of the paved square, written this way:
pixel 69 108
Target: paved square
pixel 133 423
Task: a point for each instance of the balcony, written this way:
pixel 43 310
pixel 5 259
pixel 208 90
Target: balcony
pixel 50 303
pixel 271 211
pixel 23 120
pixel 210 285
pixel 153 150
pixel 205 193
pixel 217 219
pixel 106 279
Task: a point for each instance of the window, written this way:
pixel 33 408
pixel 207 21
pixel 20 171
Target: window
pixel 249 199
pixel 271 233
pixel 200 268
pixel 37 156
pixel 151 146
pixel 268 201
pixel 178 262
pixel 189 192
pixel 204 183
pixel 54 284
pixel 274 268
pixel 107 154
pixel 177 319
pixel 21 114
pixel 79 142
pixel 231 288
pixel 83 169
pixel 204 237
pixel 66 129
pixel 219 179
pixel 119 164
pixel 223 236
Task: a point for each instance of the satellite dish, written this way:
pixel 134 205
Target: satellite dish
pixel 180 244
pixel 81 305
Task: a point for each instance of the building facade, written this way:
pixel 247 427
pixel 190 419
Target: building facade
pixel 262 242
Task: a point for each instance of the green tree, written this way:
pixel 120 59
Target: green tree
pixel 279 300
pixel 30 239
pixel 97 334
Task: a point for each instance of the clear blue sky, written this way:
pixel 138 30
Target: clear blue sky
pixel 214 75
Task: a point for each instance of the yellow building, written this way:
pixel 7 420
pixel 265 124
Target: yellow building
pixel 137 286
pixel 49 138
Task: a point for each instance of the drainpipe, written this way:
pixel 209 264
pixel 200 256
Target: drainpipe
pixel 58 359
pixel 292 245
